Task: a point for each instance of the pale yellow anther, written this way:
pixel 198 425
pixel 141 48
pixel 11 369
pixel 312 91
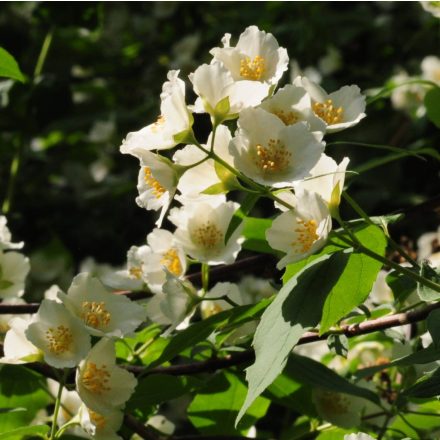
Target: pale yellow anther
pixel 95 379
pixel 328 112
pixel 253 70
pixel 289 118
pixel 207 236
pixel 155 186
pixel 156 125
pixel 59 339
pixel 306 234
pixel 171 261
pixel 94 314
pixel 135 272
pixel 273 158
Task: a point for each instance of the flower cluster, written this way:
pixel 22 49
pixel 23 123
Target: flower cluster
pixel 276 150
pixel 61 335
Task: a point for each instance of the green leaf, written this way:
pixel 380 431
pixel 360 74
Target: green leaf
pixel 306 370
pixel 226 177
pixel 5 284
pixel 9 67
pixel 254 231
pixel 427 386
pixel 433 324
pixel 432 104
pixel 158 388
pixel 20 388
pixel 401 285
pixel 21 433
pixel 356 281
pixel 215 408
pixel 221 110
pixel 217 188
pixel 426 293
pixel 245 207
pixel 292 312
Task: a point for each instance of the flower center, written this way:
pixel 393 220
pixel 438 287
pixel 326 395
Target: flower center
pixel 135 272
pixel 306 234
pixel 171 261
pixel 288 118
pixel 155 186
pixel 252 69
pixel 96 379
pixel 159 122
pixel 207 235
pixel 94 314
pixel 97 419
pixel 327 112
pixel 59 339
pixel 273 158
pixel 211 309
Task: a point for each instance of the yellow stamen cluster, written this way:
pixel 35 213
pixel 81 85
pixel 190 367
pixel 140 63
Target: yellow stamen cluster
pixel 289 118
pixel 97 419
pixel 59 339
pixel 94 314
pixel 253 69
pixel 171 261
pixel 156 125
pixel 306 234
pixel 96 379
pixel 156 187
pixel 328 112
pixel 207 235
pixel 135 272
pixel 273 158
pixel 211 309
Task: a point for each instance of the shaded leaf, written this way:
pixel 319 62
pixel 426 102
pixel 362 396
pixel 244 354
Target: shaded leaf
pixel 9 67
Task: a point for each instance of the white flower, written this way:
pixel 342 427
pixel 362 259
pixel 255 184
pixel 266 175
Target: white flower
pixel 339 110
pixel 99 426
pixel 101 384
pixel 431 67
pixel 17 348
pixel 103 313
pixel 173 305
pixel 292 104
pixel 175 118
pixel 5 236
pixel 301 231
pixel 213 83
pixel 358 436
pixel 212 307
pixel 256 57
pixel 5 318
pixel 137 256
pixel 324 177
pixel 157 181
pixel 254 289
pixel 165 254
pixel 14 268
pixel 60 335
pixel 427 244
pixel 201 230
pixel 162 424
pixel 407 97
pixel 199 178
pixel 433 7
pixel 271 153
pixel 381 292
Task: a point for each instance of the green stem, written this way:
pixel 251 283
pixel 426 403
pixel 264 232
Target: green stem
pixel 205 277
pixel 57 406
pixel 391 242
pixel 214 131
pixel 13 173
pixel 43 53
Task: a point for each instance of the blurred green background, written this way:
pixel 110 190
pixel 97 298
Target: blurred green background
pixel 101 78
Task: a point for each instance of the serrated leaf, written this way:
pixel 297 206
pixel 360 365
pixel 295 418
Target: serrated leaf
pixel 21 433
pixel 432 104
pixel 291 313
pixel 427 386
pixel 9 67
pixel 214 408
pixel 245 207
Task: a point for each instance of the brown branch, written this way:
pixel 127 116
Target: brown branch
pixel 139 428
pixel 350 330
